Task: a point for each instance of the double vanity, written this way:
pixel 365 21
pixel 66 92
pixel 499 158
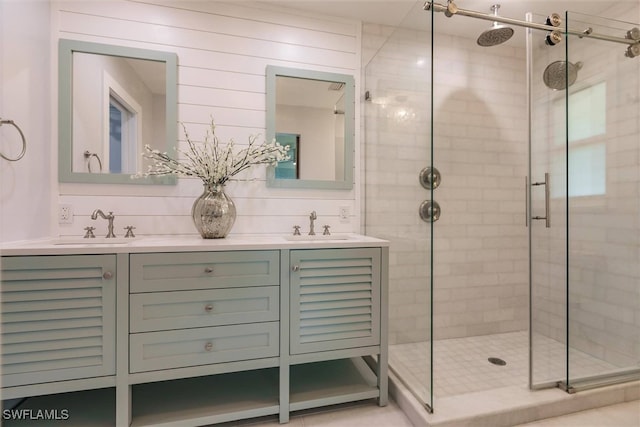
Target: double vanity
pixel 190 332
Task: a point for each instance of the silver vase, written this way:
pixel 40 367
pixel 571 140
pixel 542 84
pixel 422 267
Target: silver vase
pixel 213 212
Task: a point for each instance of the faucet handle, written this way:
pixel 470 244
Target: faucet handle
pixel 326 230
pixel 129 229
pixel 89 234
pixel 296 230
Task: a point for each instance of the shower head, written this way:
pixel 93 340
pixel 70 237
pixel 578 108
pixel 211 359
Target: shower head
pixel 560 75
pixel 497 34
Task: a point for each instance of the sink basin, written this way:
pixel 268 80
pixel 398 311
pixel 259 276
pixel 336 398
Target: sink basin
pixel 92 241
pixel 317 237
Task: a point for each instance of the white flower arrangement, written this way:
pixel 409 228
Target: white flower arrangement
pixel 212 163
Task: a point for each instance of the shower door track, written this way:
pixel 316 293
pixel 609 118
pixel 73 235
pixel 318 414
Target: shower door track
pixel 450 11
pixel 587 383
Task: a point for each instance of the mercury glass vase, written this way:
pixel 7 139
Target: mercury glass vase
pixel 213 212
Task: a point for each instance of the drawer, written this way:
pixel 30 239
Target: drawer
pixel 189 309
pixel 203 270
pixel 153 351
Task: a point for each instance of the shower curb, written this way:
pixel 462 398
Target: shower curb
pixel 553 403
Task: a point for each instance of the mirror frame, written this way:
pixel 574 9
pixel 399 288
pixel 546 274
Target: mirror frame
pixel 349 126
pixel 66 48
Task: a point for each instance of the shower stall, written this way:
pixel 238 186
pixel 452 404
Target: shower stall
pixel 502 162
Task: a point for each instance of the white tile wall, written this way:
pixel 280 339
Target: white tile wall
pixel 480 246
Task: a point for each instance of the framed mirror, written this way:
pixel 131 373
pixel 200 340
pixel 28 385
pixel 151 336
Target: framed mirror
pixel 312 112
pixel 113 100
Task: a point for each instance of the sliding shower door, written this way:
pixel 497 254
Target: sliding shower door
pixel 603 149
pixel 546 186
pixel 584 206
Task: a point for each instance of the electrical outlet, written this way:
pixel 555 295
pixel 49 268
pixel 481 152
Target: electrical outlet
pixel 65 214
pixel 345 215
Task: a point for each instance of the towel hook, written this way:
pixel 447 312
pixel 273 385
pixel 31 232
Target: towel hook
pixel 24 141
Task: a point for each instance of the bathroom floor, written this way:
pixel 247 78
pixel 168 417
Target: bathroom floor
pixel 461 365
pixel 368 414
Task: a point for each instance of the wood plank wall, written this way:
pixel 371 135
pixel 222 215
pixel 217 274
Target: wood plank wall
pixel 223 49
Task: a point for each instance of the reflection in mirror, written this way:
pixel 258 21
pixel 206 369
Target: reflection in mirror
pixel 113 101
pixel 120 104
pixel 311 112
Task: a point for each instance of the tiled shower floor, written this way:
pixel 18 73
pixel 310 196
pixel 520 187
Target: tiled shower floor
pixel 461 365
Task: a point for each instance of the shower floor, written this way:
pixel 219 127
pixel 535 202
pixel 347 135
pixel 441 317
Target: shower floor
pixel 461 365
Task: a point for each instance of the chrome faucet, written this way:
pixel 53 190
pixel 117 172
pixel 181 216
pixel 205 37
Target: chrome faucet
pixel 312 218
pixel 109 218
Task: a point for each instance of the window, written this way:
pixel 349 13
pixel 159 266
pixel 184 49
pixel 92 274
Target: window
pixel 587 117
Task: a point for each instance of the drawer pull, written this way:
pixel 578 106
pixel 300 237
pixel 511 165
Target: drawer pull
pixel 208 270
pixel 208 346
pixel 107 275
pixel 208 308
pixel 295 268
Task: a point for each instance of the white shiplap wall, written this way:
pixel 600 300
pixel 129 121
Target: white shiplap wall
pixel 223 49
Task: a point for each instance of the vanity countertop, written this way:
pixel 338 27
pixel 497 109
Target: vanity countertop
pixel 191 243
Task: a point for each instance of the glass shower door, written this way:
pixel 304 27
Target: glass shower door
pixel 603 130
pixel 547 213
pixel 397 149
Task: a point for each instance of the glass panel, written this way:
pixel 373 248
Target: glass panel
pixel 397 148
pixel 604 203
pixel 547 244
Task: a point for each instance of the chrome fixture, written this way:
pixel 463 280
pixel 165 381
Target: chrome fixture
pixel 554 20
pixel 633 51
pixel 109 218
pixel 451 9
pixel 547 191
pixel 296 230
pixel 24 141
pixel 89 234
pixel 429 211
pixel 326 230
pixel 129 229
pixel 553 38
pixel 312 217
pixel 497 34
pixel 430 178
pixel 88 155
pixel 633 34
pixel 560 75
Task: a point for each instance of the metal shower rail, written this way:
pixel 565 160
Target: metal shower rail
pixel 452 9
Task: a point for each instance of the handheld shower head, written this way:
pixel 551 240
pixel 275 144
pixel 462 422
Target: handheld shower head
pixel 497 34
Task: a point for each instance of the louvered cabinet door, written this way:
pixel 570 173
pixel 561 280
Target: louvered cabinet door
pixel 58 318
pixel 335 299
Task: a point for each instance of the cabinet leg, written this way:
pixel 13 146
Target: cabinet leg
pixel 123 406
pixel 284 394
pixel 383 378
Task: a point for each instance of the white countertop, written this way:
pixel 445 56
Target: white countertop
pixel 191 243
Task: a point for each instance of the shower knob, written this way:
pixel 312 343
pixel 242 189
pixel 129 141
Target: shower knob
pixel 430 178
pixel 429 211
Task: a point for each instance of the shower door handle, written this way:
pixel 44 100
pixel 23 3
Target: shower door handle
pixel 547 193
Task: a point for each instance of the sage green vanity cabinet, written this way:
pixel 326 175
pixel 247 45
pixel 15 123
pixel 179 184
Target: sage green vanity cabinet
pixel 195 337
pixel 58 318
